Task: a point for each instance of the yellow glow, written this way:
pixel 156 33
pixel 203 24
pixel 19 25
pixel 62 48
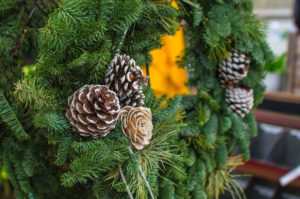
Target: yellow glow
pixel 165 76
pixel 3 174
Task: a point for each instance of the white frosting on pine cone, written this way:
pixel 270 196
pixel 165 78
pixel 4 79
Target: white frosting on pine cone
pixel 239 100
pixel 93 110
pixel 127 80
pixel 233 68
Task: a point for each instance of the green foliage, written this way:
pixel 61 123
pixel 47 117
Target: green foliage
pixel 170 109
pixel 212 130
pixel 225 124
pixel 64 146
pixel 4 183
pixel 221 180
pixel 240 134
pixel 77 40
pixel 19 21
pixel 52 122
pixel 279 65
pixel 158 156
pixel 221 154
pixel 197 16
pixel 251 123
pixel 89 164
pixel 69 43
pixel 204 114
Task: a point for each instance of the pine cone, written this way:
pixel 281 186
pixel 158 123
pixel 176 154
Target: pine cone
pixel 239 100
pixel 233 69
pixel 137 124
pixel 93 110
pixel 126 79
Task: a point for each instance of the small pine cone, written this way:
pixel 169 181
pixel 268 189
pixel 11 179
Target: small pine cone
pixel 233 69
pixel 93 110
pixel 126 79
pixel 239 100
pixel 137 124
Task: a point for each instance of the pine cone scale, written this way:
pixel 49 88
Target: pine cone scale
pixel 73 115
pixel 79 107
pixel 82 95
pixel 82 119
pixel 87 109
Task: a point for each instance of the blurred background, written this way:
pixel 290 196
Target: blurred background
pixel 279 16
pixel 273 171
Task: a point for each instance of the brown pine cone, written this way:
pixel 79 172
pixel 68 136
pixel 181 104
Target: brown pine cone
pixel 93 110
pixel 239 100
pixel 127 80
pixel 137 124
pixel 233 69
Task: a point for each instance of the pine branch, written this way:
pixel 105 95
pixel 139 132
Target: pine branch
pixel 34 95
pixel 63 150
pixel 172 107
pixel 53 122
pixel 37 4
pixel 16 44
pixel 9 118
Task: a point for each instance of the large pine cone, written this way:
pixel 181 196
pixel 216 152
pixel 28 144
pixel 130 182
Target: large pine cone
pixel 239 100
pixel 233 69
pixel 127 80
pixel 93 110
pixel 137 124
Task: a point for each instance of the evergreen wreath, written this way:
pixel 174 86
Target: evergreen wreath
pixel 69 44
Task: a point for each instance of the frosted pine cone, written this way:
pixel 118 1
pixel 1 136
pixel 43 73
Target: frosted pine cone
pixel 127 80
pixel 239 100
pixel 93 110
pixel 137 124
pixel 234 68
